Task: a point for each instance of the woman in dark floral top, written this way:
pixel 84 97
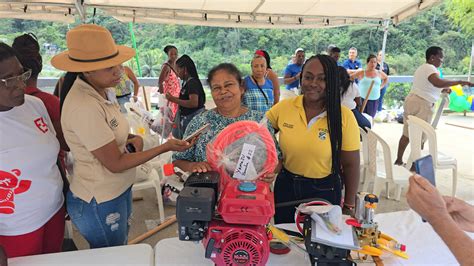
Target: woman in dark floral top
pixel 225 84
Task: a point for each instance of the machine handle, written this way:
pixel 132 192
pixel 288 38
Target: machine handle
pixel 209 248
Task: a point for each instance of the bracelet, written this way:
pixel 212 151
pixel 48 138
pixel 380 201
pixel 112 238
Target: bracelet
pixel 348 208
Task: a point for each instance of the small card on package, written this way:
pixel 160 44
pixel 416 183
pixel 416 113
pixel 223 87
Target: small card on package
pixel 244 164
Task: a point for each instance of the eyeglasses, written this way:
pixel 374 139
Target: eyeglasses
pixel 11 82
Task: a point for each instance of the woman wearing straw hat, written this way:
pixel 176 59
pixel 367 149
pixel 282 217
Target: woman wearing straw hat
pixel 99 200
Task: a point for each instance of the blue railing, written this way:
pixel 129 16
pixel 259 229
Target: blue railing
pixel 45 82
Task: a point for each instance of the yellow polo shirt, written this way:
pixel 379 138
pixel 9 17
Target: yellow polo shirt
pixel 307 151
pixel 89 122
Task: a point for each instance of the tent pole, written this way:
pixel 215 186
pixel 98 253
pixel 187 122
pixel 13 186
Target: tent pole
pixel 469 73
pixel 81 10
pixel 134 45
pixel 384 42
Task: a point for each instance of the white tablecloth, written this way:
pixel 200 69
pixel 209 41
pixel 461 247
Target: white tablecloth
pixel 424 246
pixel 136 255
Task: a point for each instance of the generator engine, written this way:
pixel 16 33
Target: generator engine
pixel 230 214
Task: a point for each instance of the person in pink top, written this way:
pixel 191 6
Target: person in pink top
pixel 168 81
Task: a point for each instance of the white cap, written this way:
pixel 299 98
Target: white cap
pixel 299 50
pixel 330 47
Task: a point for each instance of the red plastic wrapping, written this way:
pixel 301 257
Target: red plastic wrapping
pixel 224 152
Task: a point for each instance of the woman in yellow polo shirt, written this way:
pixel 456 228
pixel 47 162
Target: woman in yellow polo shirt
pixel 319 140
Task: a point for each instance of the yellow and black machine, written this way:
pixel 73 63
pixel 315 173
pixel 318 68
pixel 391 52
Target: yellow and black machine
pixel 371 240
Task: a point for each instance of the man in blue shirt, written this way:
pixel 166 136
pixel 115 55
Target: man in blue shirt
pixel 292 74
pixel 352 64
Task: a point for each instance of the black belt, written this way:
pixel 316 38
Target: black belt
pixel 125 95
pixel 286 172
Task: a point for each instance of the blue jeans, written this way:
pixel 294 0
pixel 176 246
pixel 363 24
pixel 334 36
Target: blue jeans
pixel 382 93
pixel 102 225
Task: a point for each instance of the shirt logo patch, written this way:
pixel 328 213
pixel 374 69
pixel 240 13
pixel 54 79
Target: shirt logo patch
pixel 114 123
pixel 11 185
pixel 41 125
pixel 322 134
pixel 288 125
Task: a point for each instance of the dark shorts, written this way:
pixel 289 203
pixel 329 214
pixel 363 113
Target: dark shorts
pixel 371 107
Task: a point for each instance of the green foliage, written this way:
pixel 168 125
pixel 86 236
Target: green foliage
pixel 396 93
pixel 462 13
pixel 209 46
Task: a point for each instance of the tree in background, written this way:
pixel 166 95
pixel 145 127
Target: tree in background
pixel 462 13
pixel 209 46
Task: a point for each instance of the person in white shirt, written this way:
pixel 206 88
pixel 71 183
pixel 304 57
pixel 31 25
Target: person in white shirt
pixel 427 86
pixel 350 97
pixel 31 198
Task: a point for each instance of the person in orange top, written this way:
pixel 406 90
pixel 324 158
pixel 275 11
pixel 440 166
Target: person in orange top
pixel 29 55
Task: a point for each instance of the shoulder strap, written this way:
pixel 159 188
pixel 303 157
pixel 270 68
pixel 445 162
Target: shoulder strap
pixel 63 177
pixel 168 64
pixel 261 90
pixel 186 81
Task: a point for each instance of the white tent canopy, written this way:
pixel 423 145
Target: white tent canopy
pixel 59 11
pixel 225 13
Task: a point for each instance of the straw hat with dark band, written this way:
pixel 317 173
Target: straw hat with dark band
pixel 91 47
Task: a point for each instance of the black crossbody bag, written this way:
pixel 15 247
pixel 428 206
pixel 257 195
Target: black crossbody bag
pixel 261 90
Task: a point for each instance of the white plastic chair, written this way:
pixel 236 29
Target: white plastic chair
pixel 416 129
pixel 364 166
pixel 152 181
pixel 393 174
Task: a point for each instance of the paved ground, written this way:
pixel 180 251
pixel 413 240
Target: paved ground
pixel 452 140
